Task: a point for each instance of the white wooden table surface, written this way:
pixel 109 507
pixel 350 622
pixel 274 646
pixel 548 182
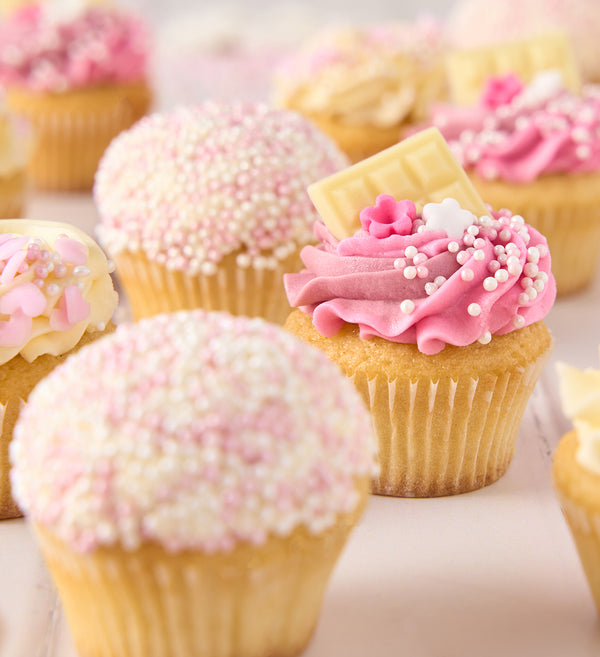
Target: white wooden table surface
pixel 491 573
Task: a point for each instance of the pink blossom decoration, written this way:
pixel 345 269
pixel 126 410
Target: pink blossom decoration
pixel 388 217
pixel 500 90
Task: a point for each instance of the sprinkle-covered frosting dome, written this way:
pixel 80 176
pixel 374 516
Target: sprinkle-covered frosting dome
pixel 443 276
pixel 194 185
pixel 54 285
pixel 580 395
pixel 520 132
pixel 55 45
pixel 191 430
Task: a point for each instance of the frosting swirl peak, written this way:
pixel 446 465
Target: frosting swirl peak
pixel 442 276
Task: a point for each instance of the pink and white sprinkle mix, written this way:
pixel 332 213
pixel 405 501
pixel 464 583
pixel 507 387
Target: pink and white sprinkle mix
pixel 193 430
pixel 36 280
pixel 95 46
pixel 191 186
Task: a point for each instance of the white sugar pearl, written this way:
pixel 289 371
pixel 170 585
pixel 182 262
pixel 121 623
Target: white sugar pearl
pixel 439 280
pixel 399 263
pixel 411 251
pixel 533 255
pixel 474 309
pixel 462 257
pixel 490 284
pixel 531 269
pixel 407 306
pixel 501 276
pixel 518 321
pixel 485 338
pixel 453 247
pixel 430 288
pixel 479 255
pixel 531 293
pixel 420 259
pixel 467 274
pixel 505 234
pixel 526 282
pixel 410 272
pixel 523 299
pixel 539 285
pixel 473 230
pixel 422 272
pixel 493 266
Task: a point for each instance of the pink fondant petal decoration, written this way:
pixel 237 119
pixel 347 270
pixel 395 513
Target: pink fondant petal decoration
pixel 10 247
pixel 16 330
pixel 72 308
pixel 12 266
pixel 26 298
pixel 71 251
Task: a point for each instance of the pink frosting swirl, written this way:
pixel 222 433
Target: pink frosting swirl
pixel 518 135
pixel 422 286
pixel 95 46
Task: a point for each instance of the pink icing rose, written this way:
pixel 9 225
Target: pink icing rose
pixel 500 90
pixel 388 217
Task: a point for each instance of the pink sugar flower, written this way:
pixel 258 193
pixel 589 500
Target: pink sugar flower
pixel 500 90
pixel 388 217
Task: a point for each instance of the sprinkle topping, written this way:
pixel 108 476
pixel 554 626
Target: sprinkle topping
pixel 45 49
pixel 256 434
pixel 193 185
pixel 53 279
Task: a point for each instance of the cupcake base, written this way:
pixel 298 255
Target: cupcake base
pixel 255 601
pixel 447 423
pixel 13 188
pixel 17 379
pixel 579 496
pixel 566 210
pixel 71 130
pixel 151 288
pixel 357 141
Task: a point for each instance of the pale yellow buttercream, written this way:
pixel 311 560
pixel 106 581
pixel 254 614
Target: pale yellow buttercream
pixel 580 394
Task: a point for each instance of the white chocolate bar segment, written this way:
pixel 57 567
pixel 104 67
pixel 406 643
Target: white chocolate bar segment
pixel 468 70
pixel 421 169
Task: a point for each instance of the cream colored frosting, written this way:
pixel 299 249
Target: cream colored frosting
pixel 377 76
pixel 580 395
pixel 92 280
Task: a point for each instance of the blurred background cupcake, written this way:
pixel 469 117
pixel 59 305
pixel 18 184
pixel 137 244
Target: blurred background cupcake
pixel 533 145
pixel 56 295
pixel 251 463
pixel 363 86
pixel 78 73
pixel 473 23
pixel 577 467
pixel 207 207
pixel 14 142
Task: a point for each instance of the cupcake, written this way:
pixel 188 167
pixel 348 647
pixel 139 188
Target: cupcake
pixel 435 314
pixel 56 295
pixel 364 86
pixel 535 147
pixel 78 75
pixel 214 530
pixel 13 177
pixel 206 206
pixel 473 23
pixel 577 468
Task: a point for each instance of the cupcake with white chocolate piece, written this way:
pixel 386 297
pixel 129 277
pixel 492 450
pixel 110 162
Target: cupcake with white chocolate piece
pixel 56 294
pixel 435 314
pixel 207 206
pixel 251 463
pixel 535 147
